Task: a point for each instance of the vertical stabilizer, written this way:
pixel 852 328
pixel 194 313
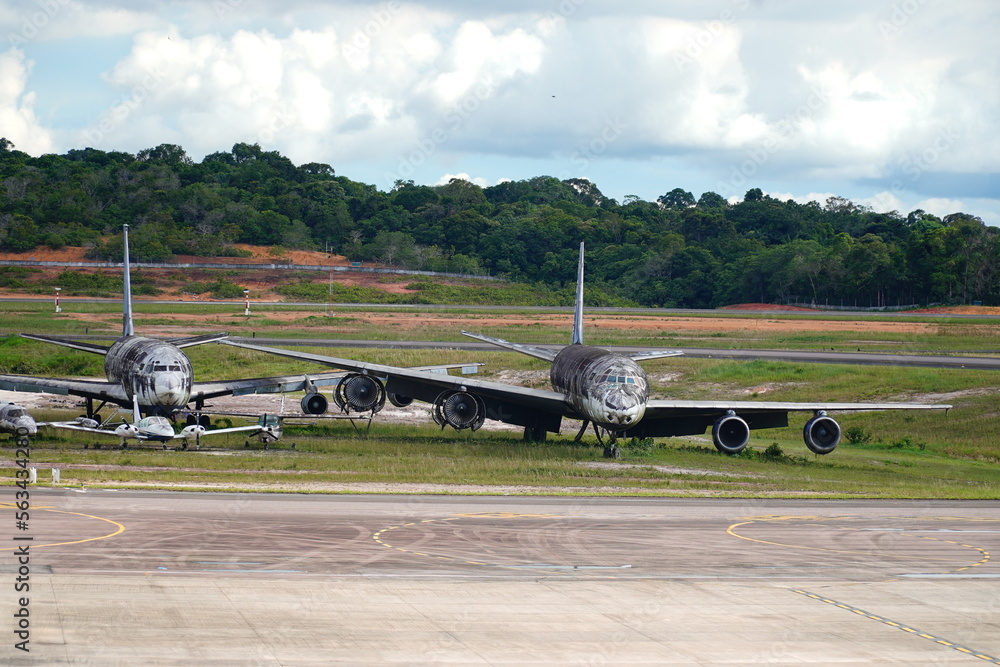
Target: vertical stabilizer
pixel 578 307
pixel 127 328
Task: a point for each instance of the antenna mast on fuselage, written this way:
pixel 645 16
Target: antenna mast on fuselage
pixel 128 329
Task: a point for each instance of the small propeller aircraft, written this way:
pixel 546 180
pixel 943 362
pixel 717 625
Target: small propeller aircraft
pixel 14 419
pixel 154 428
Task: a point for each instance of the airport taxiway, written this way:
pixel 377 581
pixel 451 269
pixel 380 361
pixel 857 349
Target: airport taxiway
pixel 122 577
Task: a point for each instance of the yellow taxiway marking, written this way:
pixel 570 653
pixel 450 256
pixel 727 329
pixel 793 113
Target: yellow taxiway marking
pixel 983 553
pixel 379 536
pixel 900 626
pixel 121 529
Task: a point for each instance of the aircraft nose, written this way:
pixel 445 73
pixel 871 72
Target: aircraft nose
pixel 170 389
pixel 26 426
pixel 623 407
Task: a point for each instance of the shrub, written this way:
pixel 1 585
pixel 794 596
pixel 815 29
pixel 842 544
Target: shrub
pixel 857 436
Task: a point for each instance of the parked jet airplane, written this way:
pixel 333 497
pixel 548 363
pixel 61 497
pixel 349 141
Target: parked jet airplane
pixel 14 419
pixel 597 386
pixel 157 374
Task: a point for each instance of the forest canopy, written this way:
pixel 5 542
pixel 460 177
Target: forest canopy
pixel 678 251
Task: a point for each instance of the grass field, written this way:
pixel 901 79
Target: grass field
pixel 888 454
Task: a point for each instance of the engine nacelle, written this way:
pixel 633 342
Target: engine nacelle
pixel 821 433
pixel 459 409
pixel 730 434
pixel 193 432
pixel 399 401
pixel 314 403
pixel 359 393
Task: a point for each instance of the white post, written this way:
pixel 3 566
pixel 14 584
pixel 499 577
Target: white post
pixel 58 309
pixel 246 293
pixel 32 475
pixel 55 475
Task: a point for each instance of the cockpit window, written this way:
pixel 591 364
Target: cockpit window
pixel 159 368
pixel 175 368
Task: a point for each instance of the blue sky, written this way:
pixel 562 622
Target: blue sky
pixel 894 105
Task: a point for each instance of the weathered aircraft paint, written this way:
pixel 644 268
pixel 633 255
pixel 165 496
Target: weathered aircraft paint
pixel 155 371
pixel 14 419
pixel 608 389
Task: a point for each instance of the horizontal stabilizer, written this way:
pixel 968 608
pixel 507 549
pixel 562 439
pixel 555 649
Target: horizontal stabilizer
pixel 65 342
pixel 530 350
pixel 654 354
pixel 198 340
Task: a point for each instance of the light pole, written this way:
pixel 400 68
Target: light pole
pixel 246 293
pixel 58 309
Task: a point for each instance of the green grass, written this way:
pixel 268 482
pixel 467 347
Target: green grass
pixel 425 455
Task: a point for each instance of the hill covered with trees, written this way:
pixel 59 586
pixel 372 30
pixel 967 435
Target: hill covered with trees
pixel 678 251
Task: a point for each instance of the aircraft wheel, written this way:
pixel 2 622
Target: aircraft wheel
pixel 612 452
pixel 97 446
pixel 246 445
pixel 184 445
pixel 265 445
pixel 293 445
pixel 86 446
pixel 124 445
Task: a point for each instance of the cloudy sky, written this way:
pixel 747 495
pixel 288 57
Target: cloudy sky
pixel 893 104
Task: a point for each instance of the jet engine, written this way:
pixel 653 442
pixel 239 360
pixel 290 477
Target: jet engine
pixel 399 401
pixel 730 434
pixel 359 393
pixel 314 403
pixel 459 409
pixel 821 433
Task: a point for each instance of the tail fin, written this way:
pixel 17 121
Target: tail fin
pixel 578 308
pixel 127 327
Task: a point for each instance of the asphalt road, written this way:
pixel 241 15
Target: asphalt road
pixel 171 578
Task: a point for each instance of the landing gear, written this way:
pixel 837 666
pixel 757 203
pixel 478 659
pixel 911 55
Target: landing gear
pixel 534 434
pixel 612 452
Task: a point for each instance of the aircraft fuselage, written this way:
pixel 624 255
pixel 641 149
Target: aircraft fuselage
pixel 14 419
pixel 155 371
pixel 606 388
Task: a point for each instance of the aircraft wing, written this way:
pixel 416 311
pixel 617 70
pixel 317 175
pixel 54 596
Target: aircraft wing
pixel 530 350
pixel 66 342
pixel 550 355
pixel 198 340
pixel 99 390
pixel 268 385
pixel 292 383
pixel 503 402
pixel 666 418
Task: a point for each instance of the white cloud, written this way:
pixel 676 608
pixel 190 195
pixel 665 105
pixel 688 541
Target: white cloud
pixel 447 178
pixel 18 121
pixel 801 97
